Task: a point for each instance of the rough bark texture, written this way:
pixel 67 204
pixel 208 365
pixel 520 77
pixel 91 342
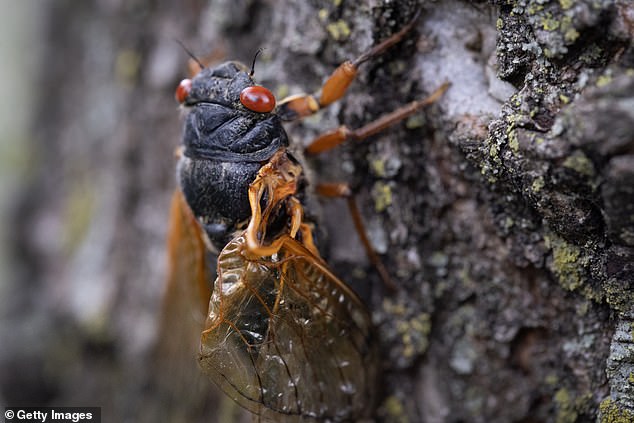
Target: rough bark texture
pixel 505 212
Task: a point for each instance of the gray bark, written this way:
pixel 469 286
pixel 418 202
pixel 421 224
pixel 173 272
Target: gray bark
pixel 505 212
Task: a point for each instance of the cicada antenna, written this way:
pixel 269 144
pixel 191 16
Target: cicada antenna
pixel 190 54
pixel 257 53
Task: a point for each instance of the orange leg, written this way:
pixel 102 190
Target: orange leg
pixel 343 190
pixel 337 136
pixel 301 105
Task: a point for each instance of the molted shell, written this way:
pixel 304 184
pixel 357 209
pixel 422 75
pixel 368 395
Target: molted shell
pixel 287 340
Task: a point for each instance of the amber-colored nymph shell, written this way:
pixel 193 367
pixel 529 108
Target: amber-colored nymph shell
pixel 286 339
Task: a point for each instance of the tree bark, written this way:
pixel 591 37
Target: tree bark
pixel 504 212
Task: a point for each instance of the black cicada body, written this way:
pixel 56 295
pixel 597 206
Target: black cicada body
pixel 230 132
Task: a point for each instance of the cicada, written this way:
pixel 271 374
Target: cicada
pixel 283 336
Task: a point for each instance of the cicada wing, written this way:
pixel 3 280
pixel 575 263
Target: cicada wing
pixel 236 321
pixel 189 270
pixel 288 340
pixel 184 307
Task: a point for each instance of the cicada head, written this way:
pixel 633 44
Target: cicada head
pixel 230 117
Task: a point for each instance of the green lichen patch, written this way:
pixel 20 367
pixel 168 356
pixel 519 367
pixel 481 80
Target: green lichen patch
pixel 323 14
pixel 338 30
pixel 377 167
pixel 566 4
pixel 580 163
pixel 414 334
pixel 415 121
pixel 548 23
pixel 572 265
pixel 411 331
pixel 569 406
pixel 384 163
pixel 565 408
pixel 537 184
pixel 604 80
pixel 611 412
pixel 394 410
pixel 566 262
pixel 382 195
pixel 571 35
pixel 618 294
pixel 514 144
pixel 408 333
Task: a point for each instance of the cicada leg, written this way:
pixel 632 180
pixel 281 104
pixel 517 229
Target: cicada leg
pixel 338 136
pixel 302 105
pixel 342 190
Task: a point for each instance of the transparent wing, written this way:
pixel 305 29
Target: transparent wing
pixel 286 339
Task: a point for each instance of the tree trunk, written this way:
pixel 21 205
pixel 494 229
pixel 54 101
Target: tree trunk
pixel 504 212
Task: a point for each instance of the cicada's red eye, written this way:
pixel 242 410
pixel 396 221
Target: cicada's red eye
pixel 183 90
pixel 257 99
